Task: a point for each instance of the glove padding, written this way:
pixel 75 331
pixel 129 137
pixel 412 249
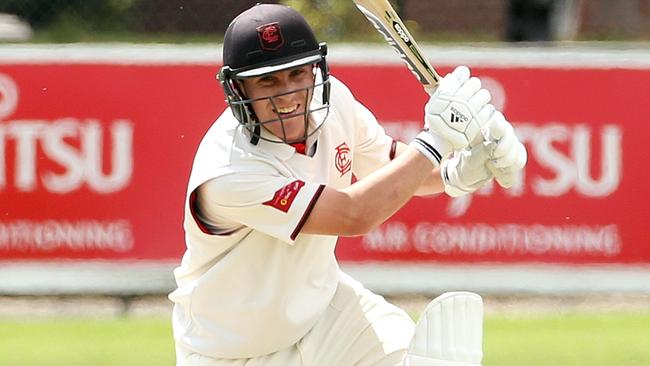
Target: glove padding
pixel 458 109
pixel 459 118
pixel 500 155
pixel 466 171
pixel 508 155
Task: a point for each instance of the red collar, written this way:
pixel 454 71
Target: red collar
pixel 300 147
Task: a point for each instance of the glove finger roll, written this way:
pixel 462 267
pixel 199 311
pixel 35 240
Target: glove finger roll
pixel 506 180
pixel 504 145
pixel 469 88
pixel 485 113
pixel 450 84
pixel 510 159
pixel 522 156
pixel 480 100
pixel 505 161
pixel 461 73
pixel 498 125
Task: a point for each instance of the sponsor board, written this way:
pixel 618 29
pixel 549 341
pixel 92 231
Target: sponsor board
pixel 578 199
pixel 95 158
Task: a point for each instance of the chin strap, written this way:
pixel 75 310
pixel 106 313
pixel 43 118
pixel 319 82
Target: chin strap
pixel 255 136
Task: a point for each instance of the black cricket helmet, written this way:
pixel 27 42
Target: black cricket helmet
pixel 265 39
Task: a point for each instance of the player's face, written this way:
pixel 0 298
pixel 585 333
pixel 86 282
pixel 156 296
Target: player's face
pixel 279 100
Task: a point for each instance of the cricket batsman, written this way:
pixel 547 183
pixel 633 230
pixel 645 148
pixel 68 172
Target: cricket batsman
pixel 271 190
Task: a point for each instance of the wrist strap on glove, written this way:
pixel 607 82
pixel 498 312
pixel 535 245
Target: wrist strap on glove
pixel 432 146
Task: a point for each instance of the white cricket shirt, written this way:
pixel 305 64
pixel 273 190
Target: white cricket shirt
pixel 249 283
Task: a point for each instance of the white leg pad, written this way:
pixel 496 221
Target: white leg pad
pixel 449 332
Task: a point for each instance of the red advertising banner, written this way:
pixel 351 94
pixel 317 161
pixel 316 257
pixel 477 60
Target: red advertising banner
pixel 95 159
pixel 580 198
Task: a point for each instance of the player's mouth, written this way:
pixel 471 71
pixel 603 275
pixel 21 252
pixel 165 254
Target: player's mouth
pixel 284 111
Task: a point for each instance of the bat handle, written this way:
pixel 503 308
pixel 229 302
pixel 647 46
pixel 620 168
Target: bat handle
pixel 430 88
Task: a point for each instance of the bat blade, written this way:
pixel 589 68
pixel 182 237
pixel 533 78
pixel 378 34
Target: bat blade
pixel 384 18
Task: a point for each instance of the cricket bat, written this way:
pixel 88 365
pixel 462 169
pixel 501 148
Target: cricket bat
pixel 383 17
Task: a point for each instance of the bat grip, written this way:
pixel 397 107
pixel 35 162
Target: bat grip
pixel 430 88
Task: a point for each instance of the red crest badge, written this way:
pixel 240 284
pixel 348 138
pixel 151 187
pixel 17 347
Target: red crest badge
pixel 283 198
pixel 342 160
pixel 270 36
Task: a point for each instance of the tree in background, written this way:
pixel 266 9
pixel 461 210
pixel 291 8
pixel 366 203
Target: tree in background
pixel 66 19
pixel 336 20
pixel 333 19
pixel 102 14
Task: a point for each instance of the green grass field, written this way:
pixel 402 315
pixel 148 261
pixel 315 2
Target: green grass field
pixel 607 339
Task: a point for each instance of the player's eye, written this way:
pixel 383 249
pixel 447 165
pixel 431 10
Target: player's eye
pixel 266 79
pixel 297 72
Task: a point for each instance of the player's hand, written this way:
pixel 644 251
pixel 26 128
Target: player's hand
pixel 456 113
pixel 467 170
pixel 502 155
pixel 508 155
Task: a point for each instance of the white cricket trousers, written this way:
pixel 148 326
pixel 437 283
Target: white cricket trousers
pixel 358 328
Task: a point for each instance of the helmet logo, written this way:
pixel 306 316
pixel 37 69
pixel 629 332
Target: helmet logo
pixel 342 159
pixel 270 36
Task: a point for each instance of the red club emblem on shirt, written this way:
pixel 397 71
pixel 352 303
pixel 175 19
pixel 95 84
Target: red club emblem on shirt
pixel 342 160
pixel 270 36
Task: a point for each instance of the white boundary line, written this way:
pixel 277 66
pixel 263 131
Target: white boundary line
pixel 400 278
pixel 151 277
pixel 86 277
pixel 573 56
pixel 505 56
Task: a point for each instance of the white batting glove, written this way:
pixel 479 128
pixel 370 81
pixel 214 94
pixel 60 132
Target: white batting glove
pixel 508 155
pixel 467 170
pixel 454 115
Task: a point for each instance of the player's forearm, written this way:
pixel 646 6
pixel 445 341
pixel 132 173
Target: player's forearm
pixel 433 184
pixel 364 205
pixel 379 195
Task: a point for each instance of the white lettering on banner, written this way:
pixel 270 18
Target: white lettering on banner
pixel 574 171
pixel 81 164
pixel 611 161
pixel 77 236
pixel 569 170
pixel 390 237
pixel 506 239
pixel 8 96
